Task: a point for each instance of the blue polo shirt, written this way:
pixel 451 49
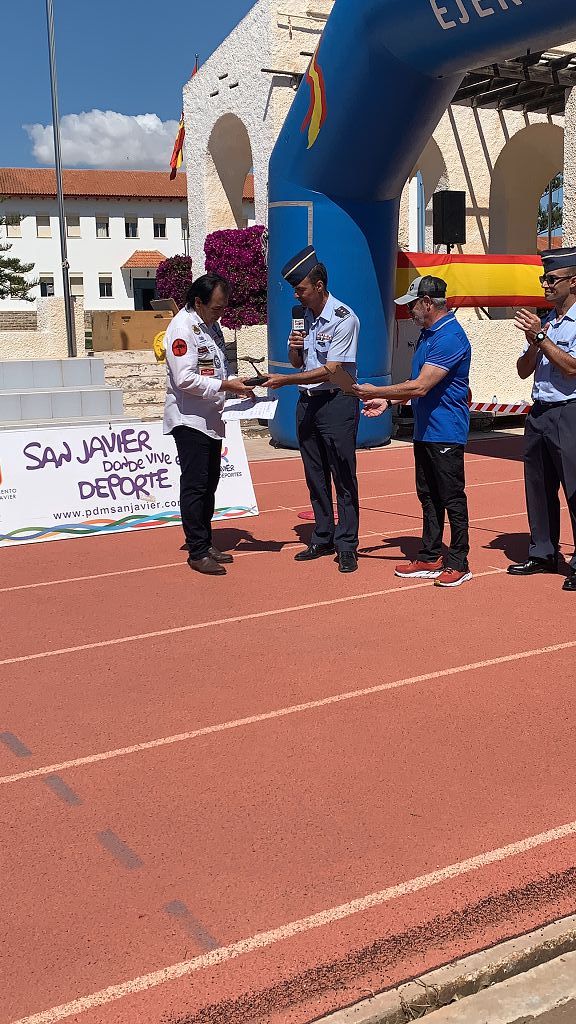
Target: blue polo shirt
pixel 443 414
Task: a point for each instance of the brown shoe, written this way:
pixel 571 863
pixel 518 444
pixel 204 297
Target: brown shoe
pixel 222 557
pixel 207 566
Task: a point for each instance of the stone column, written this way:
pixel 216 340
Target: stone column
pixel 569 231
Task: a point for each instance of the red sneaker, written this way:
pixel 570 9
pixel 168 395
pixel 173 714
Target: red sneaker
pixel 421 570
pixel 452 578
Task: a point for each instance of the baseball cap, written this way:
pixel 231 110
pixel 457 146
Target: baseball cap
pixel 434 287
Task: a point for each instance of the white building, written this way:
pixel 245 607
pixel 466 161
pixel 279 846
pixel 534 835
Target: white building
pixel 120 225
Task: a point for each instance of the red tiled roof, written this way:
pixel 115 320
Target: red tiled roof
pixel 143 259
pixel 248 195
pixel 41 181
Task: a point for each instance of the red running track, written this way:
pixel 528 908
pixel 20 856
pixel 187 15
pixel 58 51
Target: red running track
pixel 264 797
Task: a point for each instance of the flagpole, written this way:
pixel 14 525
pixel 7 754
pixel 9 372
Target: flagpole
pixel 59 190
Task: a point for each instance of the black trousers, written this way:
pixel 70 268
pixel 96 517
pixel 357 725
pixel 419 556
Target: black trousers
pixel 327 426
pixel 199 457
pixel 440 484
pixel 549 463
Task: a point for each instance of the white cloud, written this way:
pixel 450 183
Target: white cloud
pixel 104 138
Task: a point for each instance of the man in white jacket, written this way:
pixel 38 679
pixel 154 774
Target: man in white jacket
pixel 197 386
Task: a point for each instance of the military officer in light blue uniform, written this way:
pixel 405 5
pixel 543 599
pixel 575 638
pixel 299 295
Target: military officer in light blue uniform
pixel 326 417
pixel 550 439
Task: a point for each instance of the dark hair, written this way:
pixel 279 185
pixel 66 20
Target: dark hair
pixel 319 274
pixel 204 287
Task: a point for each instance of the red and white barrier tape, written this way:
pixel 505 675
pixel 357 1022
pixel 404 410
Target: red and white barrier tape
pixel 502 408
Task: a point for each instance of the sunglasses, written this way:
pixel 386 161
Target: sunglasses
pixel 553 281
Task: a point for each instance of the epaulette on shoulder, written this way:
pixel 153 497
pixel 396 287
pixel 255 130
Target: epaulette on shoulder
pixel 342 311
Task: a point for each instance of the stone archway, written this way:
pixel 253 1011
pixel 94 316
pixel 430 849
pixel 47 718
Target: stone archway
pixel 432 167
pixel 228 161
pixel 525 166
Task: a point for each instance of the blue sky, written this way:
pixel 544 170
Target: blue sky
pixel 129 58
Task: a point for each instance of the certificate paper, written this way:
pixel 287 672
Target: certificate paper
pixel 250 409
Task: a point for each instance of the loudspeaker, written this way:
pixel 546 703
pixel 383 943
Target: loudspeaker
pixel 449 218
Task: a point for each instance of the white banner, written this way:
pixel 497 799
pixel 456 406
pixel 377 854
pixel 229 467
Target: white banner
pixel 99 479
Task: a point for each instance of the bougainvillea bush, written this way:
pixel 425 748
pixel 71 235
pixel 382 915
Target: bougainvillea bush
pixel 173 279
pixel 241 256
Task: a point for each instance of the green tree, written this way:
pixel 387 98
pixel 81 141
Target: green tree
pixel 13 283
pixel 556 184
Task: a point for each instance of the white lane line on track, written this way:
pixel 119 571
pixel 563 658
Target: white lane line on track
pixel 392 494
pixel 191 627
pixel 288 546
pixel 360 472
pixel 263 940
pixel 243 554
pixel 286 712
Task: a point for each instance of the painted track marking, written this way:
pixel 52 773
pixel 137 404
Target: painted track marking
pixel 286 712
pixel 262 940
pixel 249 617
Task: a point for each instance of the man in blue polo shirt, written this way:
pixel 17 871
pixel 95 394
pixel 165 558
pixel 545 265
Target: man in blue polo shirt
pixel 438 392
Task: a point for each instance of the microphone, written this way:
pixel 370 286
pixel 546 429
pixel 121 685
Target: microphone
pixel 298 323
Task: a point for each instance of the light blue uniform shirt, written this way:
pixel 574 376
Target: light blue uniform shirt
pixel 331 337
pixel 550 385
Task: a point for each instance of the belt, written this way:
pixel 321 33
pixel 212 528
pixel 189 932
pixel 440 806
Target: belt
pixel 315 393
pixel 554 405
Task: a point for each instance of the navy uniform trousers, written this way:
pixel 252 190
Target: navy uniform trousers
pixel 327 426
pixel 550 463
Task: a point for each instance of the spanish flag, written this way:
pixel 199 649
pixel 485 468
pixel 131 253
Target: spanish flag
pixel 176 160
pixel 491 280
pixel 177 152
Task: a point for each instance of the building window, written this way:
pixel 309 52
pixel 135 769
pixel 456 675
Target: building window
pixel 185 228
pixel 159 227
pixel 43 229
pixel 102 227
pixel 46 285
pixel 73 226
pixel 131 227
pixel 105 282
pixel 13 225
pixel 77 286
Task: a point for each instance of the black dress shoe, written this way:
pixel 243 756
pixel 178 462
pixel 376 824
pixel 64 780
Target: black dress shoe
pixel 347 561
pixel 207 566
pixel 314 551
pixel 570 582
pixel 222 557
pixel 532 566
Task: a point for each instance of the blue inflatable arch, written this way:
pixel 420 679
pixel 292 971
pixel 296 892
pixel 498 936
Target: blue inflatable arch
pixel 383 75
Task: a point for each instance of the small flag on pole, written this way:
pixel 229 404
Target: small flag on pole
pixel 176 159
pixel 177 152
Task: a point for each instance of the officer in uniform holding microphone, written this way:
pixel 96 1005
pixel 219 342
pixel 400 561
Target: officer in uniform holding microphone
pixel 197 386
pixel 326 417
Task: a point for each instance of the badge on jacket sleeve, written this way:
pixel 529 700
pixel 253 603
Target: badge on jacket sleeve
pixel 179 347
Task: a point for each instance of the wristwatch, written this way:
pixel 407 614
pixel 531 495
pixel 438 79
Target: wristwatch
pixel 540 337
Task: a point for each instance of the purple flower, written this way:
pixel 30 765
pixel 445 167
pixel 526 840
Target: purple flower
pixel 173 279
pixel 241 256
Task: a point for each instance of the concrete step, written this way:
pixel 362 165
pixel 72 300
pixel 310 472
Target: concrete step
pixel 62 403
pixel 45 374
pixel 544 995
